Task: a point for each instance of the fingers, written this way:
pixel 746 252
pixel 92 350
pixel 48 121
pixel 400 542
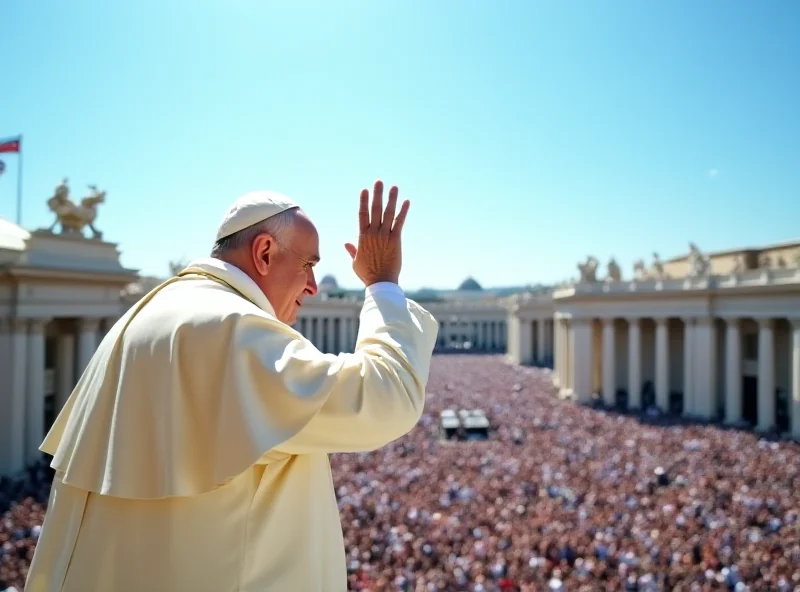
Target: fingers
pixel 388 214
pixel 377 205
pixel 363 210
pixel 401 218
pixel 351 249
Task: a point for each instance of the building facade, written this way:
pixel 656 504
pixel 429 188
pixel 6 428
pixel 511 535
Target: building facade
pixel 59 294
pixel 467 322
pixel 712 337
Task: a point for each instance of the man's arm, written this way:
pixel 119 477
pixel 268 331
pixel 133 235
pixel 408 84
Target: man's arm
pixel 380 395
pixel 365 399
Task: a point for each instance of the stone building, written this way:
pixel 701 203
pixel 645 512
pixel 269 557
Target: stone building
pixel 470 319
pixel 715 337
pixel 59 293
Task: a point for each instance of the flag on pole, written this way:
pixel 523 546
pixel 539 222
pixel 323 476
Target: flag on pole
pixel 10 145
pixel 14 145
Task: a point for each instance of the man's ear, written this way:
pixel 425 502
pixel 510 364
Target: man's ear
pixel 263 251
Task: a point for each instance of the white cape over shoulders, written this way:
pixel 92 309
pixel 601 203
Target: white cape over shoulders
pixel 200 406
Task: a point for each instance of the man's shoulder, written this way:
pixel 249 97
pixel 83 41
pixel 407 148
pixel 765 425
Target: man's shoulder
pixel 198 304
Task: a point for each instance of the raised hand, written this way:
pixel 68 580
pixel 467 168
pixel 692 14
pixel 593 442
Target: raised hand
pixel 378 257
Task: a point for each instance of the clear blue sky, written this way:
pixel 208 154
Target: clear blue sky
pixel 527 134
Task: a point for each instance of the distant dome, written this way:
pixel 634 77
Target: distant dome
pixel 328 283
pixel 470 285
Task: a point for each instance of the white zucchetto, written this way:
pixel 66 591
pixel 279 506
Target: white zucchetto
pixel 252 208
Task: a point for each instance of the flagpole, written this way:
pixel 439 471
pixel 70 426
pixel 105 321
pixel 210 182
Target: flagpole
pixel 19 183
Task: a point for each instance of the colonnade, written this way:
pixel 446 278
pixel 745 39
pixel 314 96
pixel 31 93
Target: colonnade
pixel 333 333
pixel 734 368
pixel 480 334
pixel 41 360
pixel 532 341
pixel 329 333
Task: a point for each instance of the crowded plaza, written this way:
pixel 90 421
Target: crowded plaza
pixel 558 497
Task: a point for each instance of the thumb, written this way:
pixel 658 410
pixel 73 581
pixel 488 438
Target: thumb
pixel 351 249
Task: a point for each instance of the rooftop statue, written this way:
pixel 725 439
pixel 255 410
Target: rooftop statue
pixel 658 267
pixel 614 271
pixel 73 217
pixel 589 270
pixel 699 263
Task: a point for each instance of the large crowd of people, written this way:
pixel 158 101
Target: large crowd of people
pixel 565 497
pixel 22 505
pixel 559 497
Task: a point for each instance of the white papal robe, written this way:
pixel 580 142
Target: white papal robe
pixel 192 455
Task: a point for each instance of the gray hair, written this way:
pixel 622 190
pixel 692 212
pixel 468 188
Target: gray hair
pixel 279 226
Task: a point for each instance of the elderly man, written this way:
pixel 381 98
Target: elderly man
pixel 193 453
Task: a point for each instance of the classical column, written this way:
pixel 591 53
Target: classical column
pixel 689 403
pixel 581 359
pixel 327 335
pixel 344 346
pixel 65 368
pixel 87 342
pixel 704 366
pixel 766 375
pixel 548 355
pixel 351 334
pixel 794 400
pixel 558 353
pixel 566 353
pixel 514 345
pixel 540 344
pixel 7 401
pixel 634 364
pixel 525 337
pixel 34 407
pixel 313 334
pixel 569 353
pixel 733 372
pixel 662 364
pixel 609 363
pixel 12 452
pixel 5 362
